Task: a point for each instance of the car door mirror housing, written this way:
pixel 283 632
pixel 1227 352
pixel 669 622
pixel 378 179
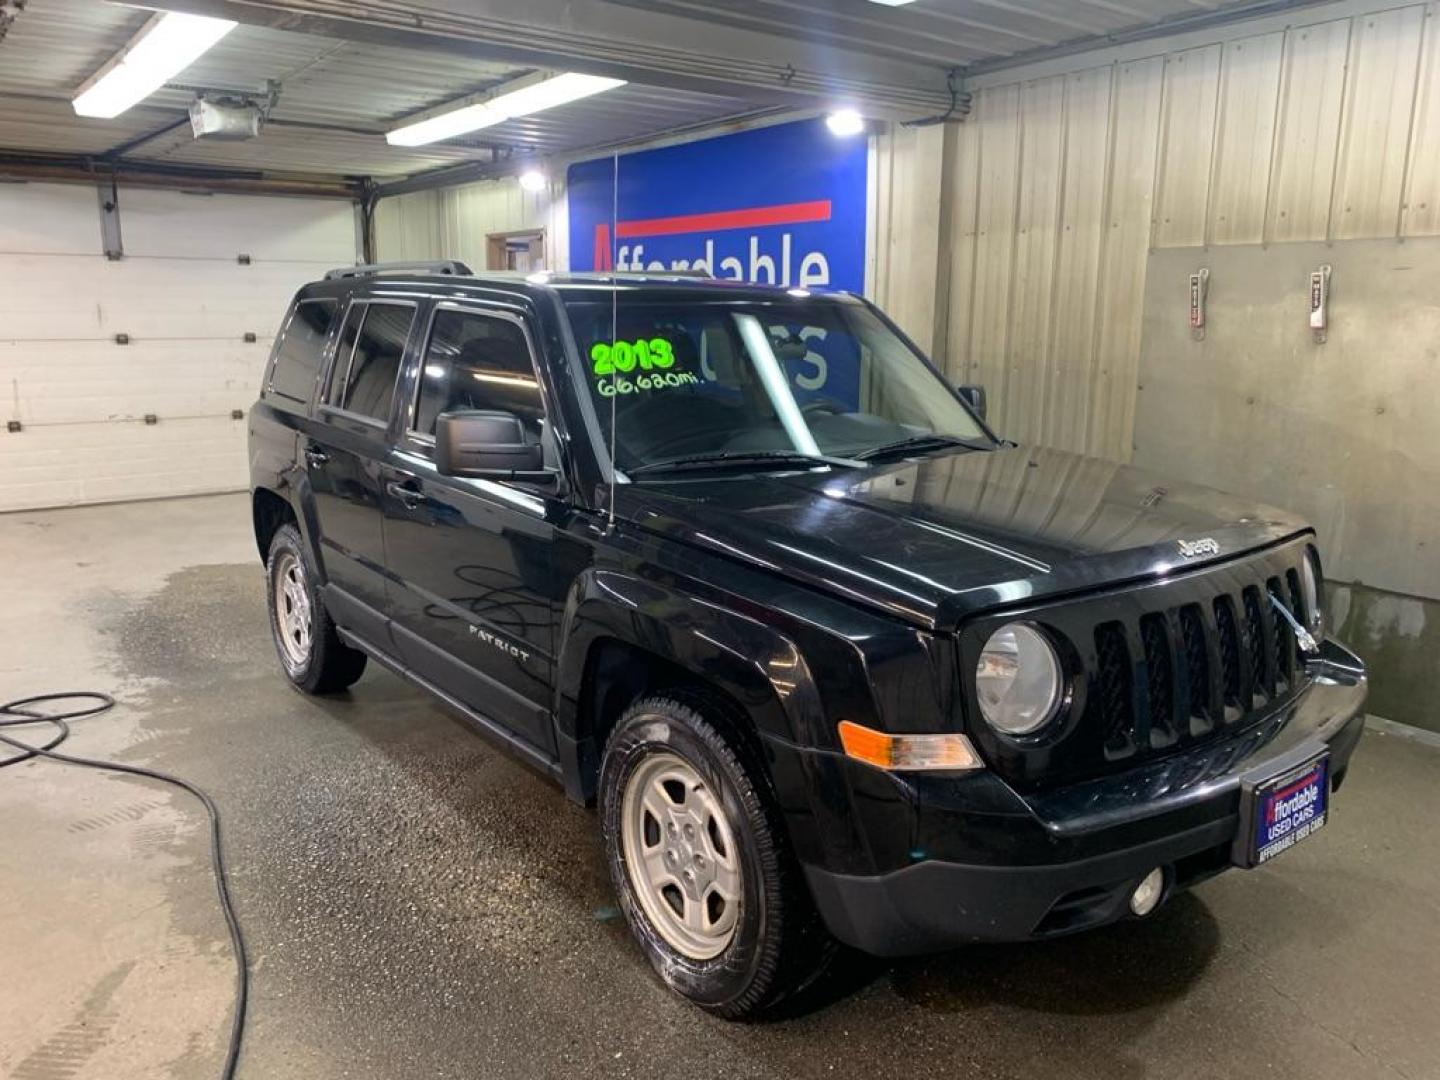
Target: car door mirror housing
pixel 974 396
pixel 487 445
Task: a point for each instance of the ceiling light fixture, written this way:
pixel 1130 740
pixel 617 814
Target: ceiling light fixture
pixel 164 47
pixel 533 180
pixel 845 122
pixel 892 3
pixel 519 98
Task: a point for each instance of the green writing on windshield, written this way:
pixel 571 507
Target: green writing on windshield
pixel 608 358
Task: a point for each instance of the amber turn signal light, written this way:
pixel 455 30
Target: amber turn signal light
pixel 946 752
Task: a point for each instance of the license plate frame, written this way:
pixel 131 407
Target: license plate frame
pixel 1282 809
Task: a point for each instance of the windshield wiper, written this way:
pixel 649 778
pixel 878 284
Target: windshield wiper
pixel 916 443
pixel 728 458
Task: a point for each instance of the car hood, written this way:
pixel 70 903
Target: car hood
pixel 934 540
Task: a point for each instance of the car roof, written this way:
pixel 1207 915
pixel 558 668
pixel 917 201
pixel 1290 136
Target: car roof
pixel 677 286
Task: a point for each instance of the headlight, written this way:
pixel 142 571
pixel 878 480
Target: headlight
pixel 1310 593
pixel 1018 680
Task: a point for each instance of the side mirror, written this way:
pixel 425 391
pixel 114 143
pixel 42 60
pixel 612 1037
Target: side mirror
pixel 974 397
pixel 488 445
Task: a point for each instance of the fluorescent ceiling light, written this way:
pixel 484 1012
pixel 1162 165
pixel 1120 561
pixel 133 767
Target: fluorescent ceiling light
pixel 163 48
pixel 546 93
pixel 893 3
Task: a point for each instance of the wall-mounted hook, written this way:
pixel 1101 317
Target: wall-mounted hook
pixel 1199 288
pixel 1320 303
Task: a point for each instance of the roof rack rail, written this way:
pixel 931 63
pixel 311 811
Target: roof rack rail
pixel 440 266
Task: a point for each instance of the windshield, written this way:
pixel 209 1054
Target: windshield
pixel 745 380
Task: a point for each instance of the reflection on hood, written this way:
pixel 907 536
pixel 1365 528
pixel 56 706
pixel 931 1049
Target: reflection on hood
pixel 933 540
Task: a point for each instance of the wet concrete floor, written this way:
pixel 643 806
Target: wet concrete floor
pixel 418 905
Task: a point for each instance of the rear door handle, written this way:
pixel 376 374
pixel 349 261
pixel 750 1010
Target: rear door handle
pixel 315 456
pixel 409 496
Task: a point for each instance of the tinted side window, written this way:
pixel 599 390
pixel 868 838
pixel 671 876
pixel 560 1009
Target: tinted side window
pixel 335 390
pixel 477 362
pixel 375 362
pixel 297 358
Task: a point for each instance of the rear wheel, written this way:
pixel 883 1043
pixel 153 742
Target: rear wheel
pixel 700 861
pixel 310 650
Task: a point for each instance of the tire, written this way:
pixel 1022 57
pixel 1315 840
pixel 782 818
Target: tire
pixel 776 945
pixel 314 659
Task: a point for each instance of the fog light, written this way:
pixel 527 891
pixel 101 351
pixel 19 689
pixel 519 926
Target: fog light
pixel 1147 893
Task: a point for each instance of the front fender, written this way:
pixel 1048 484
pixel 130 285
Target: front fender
pixel 768 669
pixel 756 664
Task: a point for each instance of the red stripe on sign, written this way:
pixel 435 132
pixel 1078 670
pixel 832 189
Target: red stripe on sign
pixel 753 218
pixel 602 247
pixel 1308 779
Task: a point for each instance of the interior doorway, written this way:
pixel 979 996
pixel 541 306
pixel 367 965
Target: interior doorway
pixel 523 251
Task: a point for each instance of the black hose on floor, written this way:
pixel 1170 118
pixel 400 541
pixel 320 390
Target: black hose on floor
pixel 21 712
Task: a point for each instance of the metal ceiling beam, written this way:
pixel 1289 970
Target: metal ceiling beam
pixel 79 169
pixel 1252 15
pixel 470 171
pixel 650 48
pixel 150 136
pixel 926 34
pixel 466 172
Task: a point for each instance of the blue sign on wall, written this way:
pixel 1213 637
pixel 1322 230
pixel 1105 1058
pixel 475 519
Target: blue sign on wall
pixel 782 205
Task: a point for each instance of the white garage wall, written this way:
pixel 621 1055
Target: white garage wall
pixel 186 303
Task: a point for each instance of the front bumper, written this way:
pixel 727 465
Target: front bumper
pixel 961 859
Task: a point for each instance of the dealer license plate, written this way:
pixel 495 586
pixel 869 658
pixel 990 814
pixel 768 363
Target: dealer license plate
pixel 1287 809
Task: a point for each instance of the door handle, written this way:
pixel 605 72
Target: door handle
pixel 315 456
pixel 409 496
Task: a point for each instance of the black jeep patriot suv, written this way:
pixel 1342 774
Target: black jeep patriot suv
pixel 836 662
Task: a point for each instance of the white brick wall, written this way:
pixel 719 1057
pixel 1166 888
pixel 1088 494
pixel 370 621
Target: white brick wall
pixel 186 304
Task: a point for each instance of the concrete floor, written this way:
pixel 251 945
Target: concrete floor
pixel 418 905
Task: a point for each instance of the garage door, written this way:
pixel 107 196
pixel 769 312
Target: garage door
pixel 121 377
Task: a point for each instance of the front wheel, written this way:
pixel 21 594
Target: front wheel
pixel 700 861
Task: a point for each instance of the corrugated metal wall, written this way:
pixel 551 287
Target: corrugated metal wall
pixel 908 216
pixel 407 228
pixel 1328 130
pixel 454 222
pixel 1013 246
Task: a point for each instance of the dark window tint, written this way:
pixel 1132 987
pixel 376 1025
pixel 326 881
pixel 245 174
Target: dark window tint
pixel 477 362
pixel 335 391
pixel 376 360
pixel 297 360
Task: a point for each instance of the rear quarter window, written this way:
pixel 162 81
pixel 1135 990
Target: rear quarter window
pixel 300 350
pixel 367 363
